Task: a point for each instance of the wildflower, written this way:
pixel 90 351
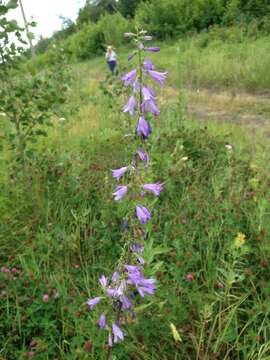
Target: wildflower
pixel 153 49
pixel 93 302
pixel 157 76
pixel 146 286
pixel 154 188
pixel 144 128
pixel 143 214
pixel 118 173
pixel 143 156
pixel 102 321
pixel 137 248
pixel 120 192
pixel 136 86
pixel 129 77
pixel 147 64
pixel 130 106
pixel 126 303
pixel 141 46
pixel 117 332
pixel 228 147
pixel 190 277
pixel 151 106
pixel 147 93
pixel 103 281
pixel 148 38
pixel 45 297
pixel 184 158
pixel 240 239
pixel 110 341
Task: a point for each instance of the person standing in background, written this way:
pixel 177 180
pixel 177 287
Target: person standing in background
pixel 111 58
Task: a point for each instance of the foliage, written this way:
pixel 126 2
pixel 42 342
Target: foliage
pixel 87 42
pixel 113 27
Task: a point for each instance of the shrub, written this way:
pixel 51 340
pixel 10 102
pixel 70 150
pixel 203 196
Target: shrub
pixel 113 27
pixel 87 42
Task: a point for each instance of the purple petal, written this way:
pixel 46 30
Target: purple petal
pixel 102 321
pixel 153 49
pixel 143 156
pixel 143 214
pixel 93 302
pixel 118 173
pixel 103 281
pixel 144 128
pixel 129 77
pixel 147 64
pixel 117 332
pixel 157 76
pixel 130 106
pixel 154 188
pixel 120 192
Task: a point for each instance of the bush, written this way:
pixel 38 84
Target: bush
pixel 113 27
pixel 87 42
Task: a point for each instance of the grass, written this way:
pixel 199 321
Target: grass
pixel 60 238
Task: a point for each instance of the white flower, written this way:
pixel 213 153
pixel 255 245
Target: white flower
pixel 228 146
pixel 185 158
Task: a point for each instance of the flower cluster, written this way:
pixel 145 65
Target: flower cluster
pixel 128 284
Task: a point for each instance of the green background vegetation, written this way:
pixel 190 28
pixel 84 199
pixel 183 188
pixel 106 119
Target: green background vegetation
pixel 64 233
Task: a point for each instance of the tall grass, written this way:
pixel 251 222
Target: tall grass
pixel 67 233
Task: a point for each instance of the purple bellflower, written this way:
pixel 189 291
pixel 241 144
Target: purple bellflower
pixel 93 302
pixel 154 188
pixel 117 333
pixel 102 321
pixel 153 49
pixel 147 93
pixel 147 64
pixel 118 173
pixel 151 106
pixel 129 77
pixel 143 156
pixel 120 192
pixel 130 106
pixel 143 214
pixel 144 128
pixel 103 281
pixel 157 76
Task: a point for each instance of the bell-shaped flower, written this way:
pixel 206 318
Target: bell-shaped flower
pixel 154 188
pixel 103 281
pixel 143 214
pixel 130 106
pixel 126 303
pixel 93 302
pixel 129 77
pixel 118 173
pixel 147 93
pixel 153 49
pixel 117 333
pixel 147 286
pixel 157 76
pixel 120 192
pixel 143 156
pixel 150 106
pixel 144 128
pixel 147 64
pixel 102 321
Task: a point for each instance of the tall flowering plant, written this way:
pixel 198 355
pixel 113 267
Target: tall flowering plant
pixel 128 285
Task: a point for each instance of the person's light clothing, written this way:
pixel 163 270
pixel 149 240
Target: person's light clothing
pixel 111 56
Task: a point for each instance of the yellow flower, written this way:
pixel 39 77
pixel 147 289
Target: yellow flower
pixel 240 239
